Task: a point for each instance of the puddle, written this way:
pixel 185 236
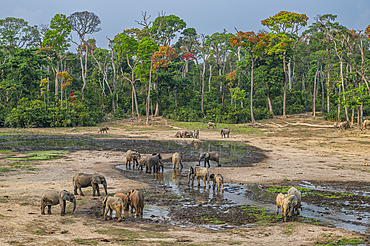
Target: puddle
pixel 175 181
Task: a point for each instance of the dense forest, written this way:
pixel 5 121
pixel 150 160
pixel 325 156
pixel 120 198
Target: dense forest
pixel 166 68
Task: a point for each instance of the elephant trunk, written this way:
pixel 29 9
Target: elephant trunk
pixel 105 188
pixel 189 174
pixel 74 205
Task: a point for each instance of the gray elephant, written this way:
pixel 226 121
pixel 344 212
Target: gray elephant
pixel 178 134
pixel 290 203
pixel 132 156
pixel 199 173
pixel 136 200
pixel 52 197
pixel 176 160
pixel 196 133
pixel 189 134
pixel 298 194
pixel 225 132
pixel 217 179
pixel 110 204
pixel 153 162
pixel 207 156
pixel 85 180
pixel 142 162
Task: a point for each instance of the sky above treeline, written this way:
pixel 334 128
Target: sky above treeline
pixel 206 16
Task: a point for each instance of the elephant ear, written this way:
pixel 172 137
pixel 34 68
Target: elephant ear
pixel 64 195
pixel 97 180
pixel 207 155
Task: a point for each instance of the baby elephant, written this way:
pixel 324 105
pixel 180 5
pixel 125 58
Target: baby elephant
pixel 176 160
pixel 298 194
pixel 196 134
pixel 225 132
pixel 103 129
pixel 217 179
pixel 136 200
pixel 290 203
pixel 112 203
pixel 279 202
pixel 52 197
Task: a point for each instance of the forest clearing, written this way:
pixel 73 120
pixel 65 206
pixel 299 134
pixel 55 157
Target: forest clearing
pixel 328 164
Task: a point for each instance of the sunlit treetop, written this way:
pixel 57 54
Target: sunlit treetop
pixel 285 21
pixel 161 57
pixel 367 31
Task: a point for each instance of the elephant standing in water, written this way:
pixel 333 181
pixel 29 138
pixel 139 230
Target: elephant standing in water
pixel 213 156
pixel 199 173
pixel 85 180
pixel 110 204
pixel 136 200
pixel 52 197
pixel 176 161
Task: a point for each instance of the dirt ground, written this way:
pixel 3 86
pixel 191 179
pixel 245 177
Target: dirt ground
pixel 294 153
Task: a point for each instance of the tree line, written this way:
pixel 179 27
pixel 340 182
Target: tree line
pixel 166 68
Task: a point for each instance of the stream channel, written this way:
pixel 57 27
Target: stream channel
pixel 175 181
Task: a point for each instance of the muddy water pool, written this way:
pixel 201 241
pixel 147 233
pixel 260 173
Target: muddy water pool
pixel 174 182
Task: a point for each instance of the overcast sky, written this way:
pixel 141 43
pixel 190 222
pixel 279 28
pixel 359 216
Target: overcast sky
pixel 206 16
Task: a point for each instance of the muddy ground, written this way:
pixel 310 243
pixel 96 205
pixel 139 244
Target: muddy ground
pixel 318 155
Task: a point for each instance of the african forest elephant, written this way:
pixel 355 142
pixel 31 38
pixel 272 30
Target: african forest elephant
pixel 290 203
pixel 110 204
pixel 153 162
pixel 136 200
pixel 176 160
pixel 211 124
pixel 124 198
pixel 199 173
pixel 196 134
pixel 366 123
pixel 103 129
pixel 52 197
pixel 279 202
pixel 132 156
pixel 213 156
pixel 85 180
pixel 225 132
pixel 298 194
pixel 217 179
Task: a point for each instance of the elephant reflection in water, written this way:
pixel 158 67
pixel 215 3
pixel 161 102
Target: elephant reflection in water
pixel 159 176
pixel 176 175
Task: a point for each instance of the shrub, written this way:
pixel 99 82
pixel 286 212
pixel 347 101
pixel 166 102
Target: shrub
pixel 182 114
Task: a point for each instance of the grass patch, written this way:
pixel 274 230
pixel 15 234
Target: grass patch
pixel 24 203
pixel 42 155
pixel 287 180
pixel 68 221
pixel 5 150
pixel 81 241
pixel 284 189
pixel 336 240
pixel 4 169
pixel 212 220
pixel 40 231
pixel 3 201
pixel 121 233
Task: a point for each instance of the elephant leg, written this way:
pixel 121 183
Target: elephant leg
pixel 214 185
pixel 63 208
pixel 75 189
pixel 119 212
pixel 110 213
pixel 79 187
pixel 208 163
pixel 181 164
pixel 49 209
pixel 222 187
pixel 42 207
pixel 97 190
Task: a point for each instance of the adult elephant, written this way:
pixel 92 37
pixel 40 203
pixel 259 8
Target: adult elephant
pixel 153 162
pixel 136 201
pixel 132 156
pixel 207 156
pixel 85 180
pixel 199 173
pixel 52 197
pixel 225 132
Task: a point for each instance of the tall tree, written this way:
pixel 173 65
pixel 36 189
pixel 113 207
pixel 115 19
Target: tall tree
pixel 84 23
pixel 284 27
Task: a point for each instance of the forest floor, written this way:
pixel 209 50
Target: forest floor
pixel 292 153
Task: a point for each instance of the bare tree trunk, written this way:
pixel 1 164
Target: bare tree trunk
pixel 344 98
pixel 285 85
pixel 269 98
pixel 314 90
pixel 289 76
pixel 135 97
pixel 327 85
pixel 303 83
pixel 252 70
pixel 210 77
pixel 132 102
pixel 339 104
pixel 322 90
pixel 148 96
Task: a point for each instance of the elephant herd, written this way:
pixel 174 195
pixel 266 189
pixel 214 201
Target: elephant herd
pixel 289 203
pixel 118 203
pixel 195 134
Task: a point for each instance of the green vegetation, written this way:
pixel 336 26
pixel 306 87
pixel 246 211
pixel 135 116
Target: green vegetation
pixel 338 240
pixel 287 180
pixel 284 189
pixel 86 242
pixel 186 89
pixel 4 150
pixel 42 155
